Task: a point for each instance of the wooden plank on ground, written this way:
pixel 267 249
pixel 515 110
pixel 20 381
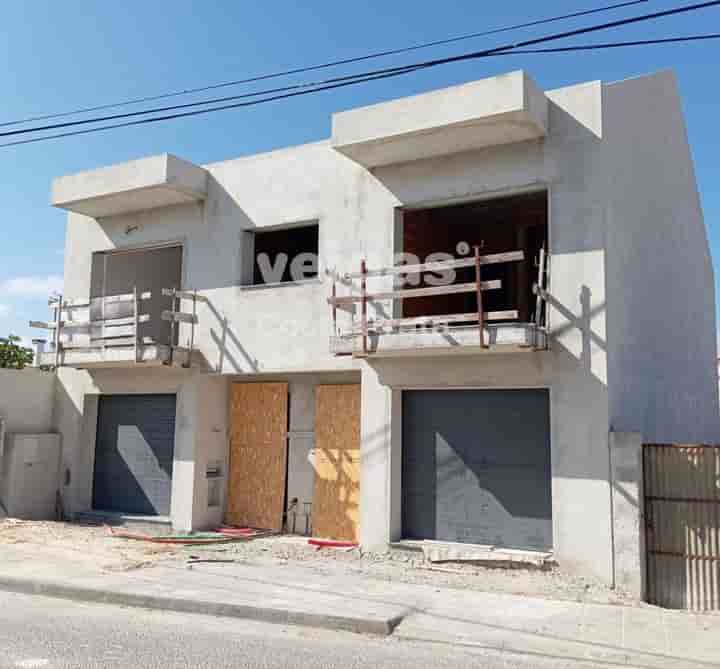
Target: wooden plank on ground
pixel 258 455
pixel 336 498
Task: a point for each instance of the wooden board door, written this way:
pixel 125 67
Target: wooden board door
pixel 336 498
pixel 258 455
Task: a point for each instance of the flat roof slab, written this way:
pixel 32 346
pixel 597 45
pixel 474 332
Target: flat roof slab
pixel 148 183
pixel 498 110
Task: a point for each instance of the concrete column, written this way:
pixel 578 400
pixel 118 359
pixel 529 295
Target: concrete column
pixel 183 479
pixel 211 448
pixel 627 512
pixel 375 461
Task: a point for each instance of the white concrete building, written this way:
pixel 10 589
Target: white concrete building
pixel 433 436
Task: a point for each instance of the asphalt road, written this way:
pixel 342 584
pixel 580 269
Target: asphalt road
pixel 38 632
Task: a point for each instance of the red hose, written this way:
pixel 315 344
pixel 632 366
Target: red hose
pixel 233 531
pixel 326 543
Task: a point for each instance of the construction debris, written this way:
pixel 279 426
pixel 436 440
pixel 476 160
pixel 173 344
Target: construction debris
pixel 222 535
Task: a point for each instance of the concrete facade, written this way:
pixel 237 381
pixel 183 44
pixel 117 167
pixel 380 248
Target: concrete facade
pixel 628 351
pixel 27 399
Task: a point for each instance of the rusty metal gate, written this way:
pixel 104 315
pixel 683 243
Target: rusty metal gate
pixel 682 519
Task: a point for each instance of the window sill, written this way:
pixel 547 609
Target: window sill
pixel 282 284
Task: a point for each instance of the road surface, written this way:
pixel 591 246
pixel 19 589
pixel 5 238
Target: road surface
pixel 38 632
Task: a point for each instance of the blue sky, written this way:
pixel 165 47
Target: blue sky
pixel 61 55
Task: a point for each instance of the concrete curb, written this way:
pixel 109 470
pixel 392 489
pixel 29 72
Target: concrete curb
pixel 382 627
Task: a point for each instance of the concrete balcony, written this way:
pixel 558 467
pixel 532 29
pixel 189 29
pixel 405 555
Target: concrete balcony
pixel 149 183
pixel 440 338
pixel 499 110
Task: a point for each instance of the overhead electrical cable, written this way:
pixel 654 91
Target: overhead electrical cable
pixel 613 45
pixel 367 76
pixel 321 66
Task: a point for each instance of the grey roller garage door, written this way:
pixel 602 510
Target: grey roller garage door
pixel 476 467
pixel 134 454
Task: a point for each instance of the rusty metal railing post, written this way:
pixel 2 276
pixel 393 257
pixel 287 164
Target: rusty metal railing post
pixel 334 305
pixel 58 325
pixel 136 323
pixel 478 281
pixel 188 361
pixel 363 303
pixel 540 297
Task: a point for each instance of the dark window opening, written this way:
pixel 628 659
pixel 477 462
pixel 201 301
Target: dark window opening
pixel 516 223
pixel 282 256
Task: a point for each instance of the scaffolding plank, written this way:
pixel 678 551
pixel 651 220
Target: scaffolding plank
pixel 78 302
pixel 183 294
pixel 418 292
pixel 440 266
pixel 179 316
pixel 441 319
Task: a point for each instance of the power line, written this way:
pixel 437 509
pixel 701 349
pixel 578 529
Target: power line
pixel 585 47
pixel 321 66
pixel 614 45
pixel 386 73
pixel 360 77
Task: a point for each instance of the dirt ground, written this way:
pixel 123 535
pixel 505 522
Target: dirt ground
pixel 96 548
pixel 83 544
pixel 410 567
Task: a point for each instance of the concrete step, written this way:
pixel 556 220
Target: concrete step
pixel 153 525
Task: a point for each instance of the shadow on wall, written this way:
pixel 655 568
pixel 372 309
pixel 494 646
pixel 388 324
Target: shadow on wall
pixel 221 333
pixel 134 454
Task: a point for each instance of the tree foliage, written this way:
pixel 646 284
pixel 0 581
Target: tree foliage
pixel 13 355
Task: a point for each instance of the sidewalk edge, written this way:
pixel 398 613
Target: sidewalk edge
pixel 379 626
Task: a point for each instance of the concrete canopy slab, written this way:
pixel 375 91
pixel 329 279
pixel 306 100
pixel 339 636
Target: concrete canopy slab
pixel 148 183
pixel 499 110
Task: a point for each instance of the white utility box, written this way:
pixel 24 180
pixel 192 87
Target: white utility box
pixel 30 475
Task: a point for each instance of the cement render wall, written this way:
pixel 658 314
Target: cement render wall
pixel 26 400
pixel 661 293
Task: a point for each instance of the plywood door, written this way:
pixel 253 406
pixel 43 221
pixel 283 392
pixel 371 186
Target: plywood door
pixel 258 455
pixel 336 498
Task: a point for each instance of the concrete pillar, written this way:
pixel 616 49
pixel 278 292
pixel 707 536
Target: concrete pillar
pixel 375 461
pixel 200 440
pixel 183 480
pixel 627 512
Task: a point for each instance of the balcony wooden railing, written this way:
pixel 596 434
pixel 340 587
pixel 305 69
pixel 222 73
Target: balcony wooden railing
pixel 366 326
pixel 74 327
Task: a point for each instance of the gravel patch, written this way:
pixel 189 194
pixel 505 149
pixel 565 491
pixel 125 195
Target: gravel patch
pixel 410 567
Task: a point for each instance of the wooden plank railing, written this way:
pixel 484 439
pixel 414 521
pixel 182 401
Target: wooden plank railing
pixel 439 266
pixel 123 331
pixel 478 286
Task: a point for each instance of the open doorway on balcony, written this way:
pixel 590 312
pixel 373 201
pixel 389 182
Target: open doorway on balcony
pixel 511 223
pixel 148 270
